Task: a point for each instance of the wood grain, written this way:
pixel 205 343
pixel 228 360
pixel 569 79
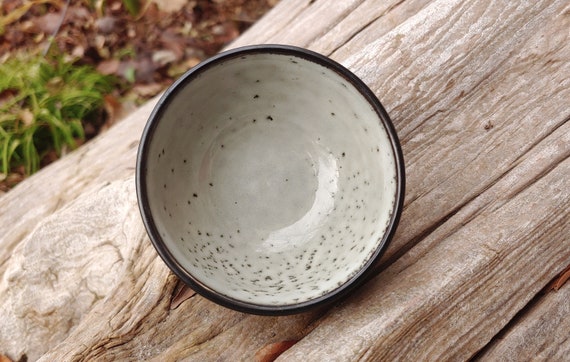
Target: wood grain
pixel 479 92
pixel 449 303
pixel 541 332
pixel 107 158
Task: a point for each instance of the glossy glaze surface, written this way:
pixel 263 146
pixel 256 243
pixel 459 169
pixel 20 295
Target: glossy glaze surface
pixel 270 179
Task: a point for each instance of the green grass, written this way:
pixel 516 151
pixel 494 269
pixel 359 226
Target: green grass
pixel 43 103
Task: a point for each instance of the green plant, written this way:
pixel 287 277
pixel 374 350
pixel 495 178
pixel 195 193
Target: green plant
pixel 42 105
pixel 132 6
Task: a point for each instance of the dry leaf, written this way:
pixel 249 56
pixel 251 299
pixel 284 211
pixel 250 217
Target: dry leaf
pixel 176 43
pixel 177 70
pixel 4 358
pixel 79 14
pixel 116 6
pixel 270 352
pixel 170 6
pixel 99 41
pixel 6 95
pixel 561 279
pixel 144 70
pixel 78 51
pixel 192 62
pixel 163 57
pixel 181 293
pixel 113 108
pixel 28 26
pixel 148 90
pixel 107 67
pixel 106 24
pixel 26 116
pixel 48 23
pixel 18 12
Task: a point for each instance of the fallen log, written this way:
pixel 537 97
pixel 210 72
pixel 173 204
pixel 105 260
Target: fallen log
pixel 478 92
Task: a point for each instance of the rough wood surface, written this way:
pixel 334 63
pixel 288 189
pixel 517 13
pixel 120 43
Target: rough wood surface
pixel 479 92
pixel 541 332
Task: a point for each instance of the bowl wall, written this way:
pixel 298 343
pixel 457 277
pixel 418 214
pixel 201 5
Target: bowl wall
pixel 269 179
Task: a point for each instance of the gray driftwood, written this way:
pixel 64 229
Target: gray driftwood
pixel 479 92
pixel 542 332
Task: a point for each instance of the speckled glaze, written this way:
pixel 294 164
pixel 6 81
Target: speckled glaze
pixel 269 179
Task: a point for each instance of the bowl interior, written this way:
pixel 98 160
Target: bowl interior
pixel 270 179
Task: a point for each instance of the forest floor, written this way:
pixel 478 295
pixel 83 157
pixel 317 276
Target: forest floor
pixel 146 45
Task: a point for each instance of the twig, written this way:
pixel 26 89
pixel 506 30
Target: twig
pixel 53 35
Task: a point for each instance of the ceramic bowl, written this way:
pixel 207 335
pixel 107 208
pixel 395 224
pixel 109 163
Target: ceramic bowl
pixel 270 179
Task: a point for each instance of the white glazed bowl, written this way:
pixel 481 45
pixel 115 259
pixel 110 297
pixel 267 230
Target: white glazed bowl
pixel 270 179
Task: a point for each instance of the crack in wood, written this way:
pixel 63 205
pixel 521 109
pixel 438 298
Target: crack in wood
pixel 527 309
pixel 539 140
pixel 422 322
pixel 333 22
pixel 539 176
pixel 383 264
pixel 366 25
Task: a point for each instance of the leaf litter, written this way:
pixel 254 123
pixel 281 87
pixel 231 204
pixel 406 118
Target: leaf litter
pixel 146 46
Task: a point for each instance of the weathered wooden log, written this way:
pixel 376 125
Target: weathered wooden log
pixel 542 331
pixel 480 95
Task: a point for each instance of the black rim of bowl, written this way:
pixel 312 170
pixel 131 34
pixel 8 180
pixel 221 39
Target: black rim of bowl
pixel 141 168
